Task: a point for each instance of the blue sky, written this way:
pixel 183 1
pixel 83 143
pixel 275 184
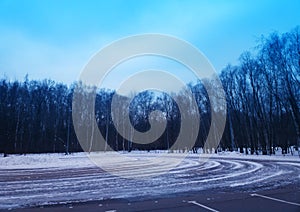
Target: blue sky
pixel 56 38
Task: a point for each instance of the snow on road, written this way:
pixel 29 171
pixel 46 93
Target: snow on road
pixel 52 178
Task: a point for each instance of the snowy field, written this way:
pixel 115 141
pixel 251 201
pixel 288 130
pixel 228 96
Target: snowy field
pixel 42 179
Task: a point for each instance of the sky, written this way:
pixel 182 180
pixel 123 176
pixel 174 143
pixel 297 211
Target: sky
pixel 55 39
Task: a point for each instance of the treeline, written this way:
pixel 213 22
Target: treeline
pixel 262 94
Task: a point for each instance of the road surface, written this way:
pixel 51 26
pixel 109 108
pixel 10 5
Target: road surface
pixel 220 184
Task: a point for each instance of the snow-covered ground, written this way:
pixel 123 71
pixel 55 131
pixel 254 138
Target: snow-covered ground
pixel 32 161
pixel 81 160
pixel 38 179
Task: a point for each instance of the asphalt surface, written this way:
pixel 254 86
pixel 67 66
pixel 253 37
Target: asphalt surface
pixel 284 199
pixel 219 184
